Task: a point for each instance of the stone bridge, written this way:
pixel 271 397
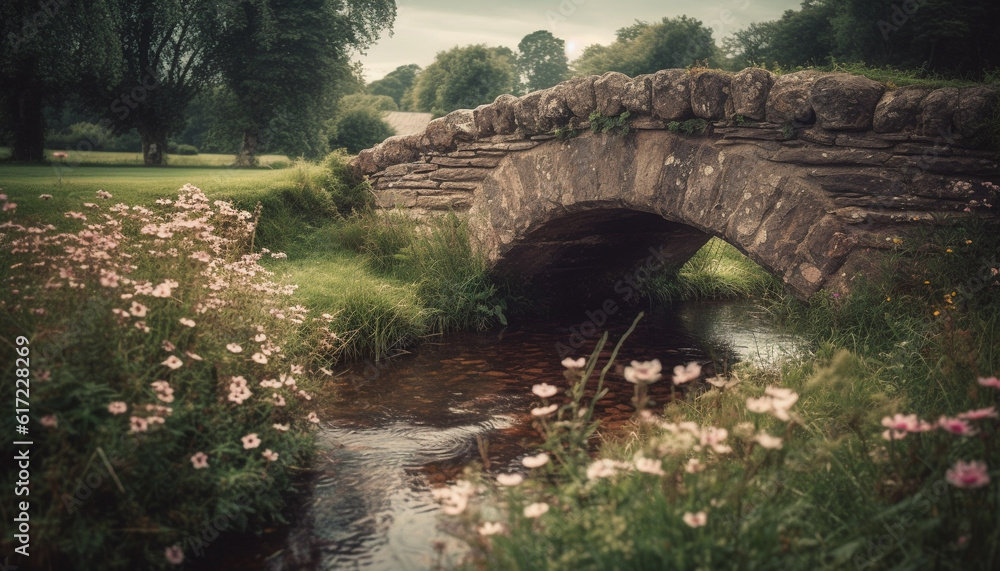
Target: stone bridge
pixel 804 172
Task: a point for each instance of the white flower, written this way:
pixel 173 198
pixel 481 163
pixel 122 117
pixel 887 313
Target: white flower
pixel 545 410
pixel 768 441
pixel 509 479
pixel 644 371
pixel 234 348
pixel 695 519
pixel 535 461
pixel 490 528
pixel 693 466
pixel 544 390
pixel 605 468
pixel 684 374
pixel 536 510
pixel 649 466
pixel 574 363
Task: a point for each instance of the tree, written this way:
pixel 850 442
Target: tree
pixel 541 60
pixel 463 78
pixel 285 60
pixel 360 128
pixel 749 46
pixel 646 48
pixel 396 83
pixel 49 50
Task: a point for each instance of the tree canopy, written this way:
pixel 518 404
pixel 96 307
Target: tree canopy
pixel 396 83
pixel 647 48
pixel 541 60
pixel 463 78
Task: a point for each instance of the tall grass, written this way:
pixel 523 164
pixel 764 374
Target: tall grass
pixel 717 271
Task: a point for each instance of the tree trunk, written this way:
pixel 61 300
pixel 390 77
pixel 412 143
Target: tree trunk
pixel 154 148
pixel 29 126
pixel 247 157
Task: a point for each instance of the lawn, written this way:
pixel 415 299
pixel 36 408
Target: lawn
pixel 135 159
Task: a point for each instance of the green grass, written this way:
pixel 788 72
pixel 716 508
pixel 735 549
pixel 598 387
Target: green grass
pixel 717 271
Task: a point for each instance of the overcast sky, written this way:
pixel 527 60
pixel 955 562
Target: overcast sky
pixel 425 27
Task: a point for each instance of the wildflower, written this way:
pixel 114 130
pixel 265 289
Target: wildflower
pixel 605 468
pixel 193 356
pixel 536 510
pixel 117 407
pixel 287 379
pixel 278 399
pixel 313 418
pixel 455 498
pixel 990 412
pixel 544 390
pixel 138 424
pixel 103 194
pixel 45 196
pixel 721 383
pixel 545 410
pixel 280 427
pixel 768 441
pixel 490 528
pixel 535 461
pixel 297 369
pixel 694 466
pixel 644 372
pixel 570 363
pixel 509 479
pixel 175 554
pixel 50 421
pixel 259 358
pixel 199 460
pixel 956 426
pixel 687 373
pixel 168 346
pixel 138 309
pixel 695 519
pixel 173 362
pixel 270 455
pixel 250 441
pixel 776 401
pixel 234 348
pixel 990 382
pixel 649 466
pixel 187 322
pixel 968 475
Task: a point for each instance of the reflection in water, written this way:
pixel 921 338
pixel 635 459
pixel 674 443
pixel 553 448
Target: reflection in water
pixel 414 423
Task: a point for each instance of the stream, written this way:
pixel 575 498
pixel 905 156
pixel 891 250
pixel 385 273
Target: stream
pixel 407 425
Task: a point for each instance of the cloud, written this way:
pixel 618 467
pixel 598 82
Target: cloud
pixel 425 27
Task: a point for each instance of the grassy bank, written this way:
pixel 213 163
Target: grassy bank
pixel 878 451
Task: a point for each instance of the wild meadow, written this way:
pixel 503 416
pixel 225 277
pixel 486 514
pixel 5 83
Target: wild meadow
pixel 183 341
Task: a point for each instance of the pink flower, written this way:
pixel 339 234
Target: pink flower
pixel 545 410
pixel 59 155
pixel 535 461
pixel 574 363
pixel 173 362
pixel 644 372
pixel 768 441
pixel 234 348
pixel 139 424
pixel 269 455
pixel 509 479
pixel 281 427
pixel 968 475
pixel 544 390
pixel 45 196
pixel 536 510
pixel 138 309
pixel 649 466
pixel 278 399
pixel 199 460
pixel 259 358
pixel 313 418
pixel 117 407
pixel 990 382
pixel 956 426
pixel 250 441
pixel 50 421
pixel 490 528
pixel 187 322
pixel 695 519
pixel 990 412
pixel 687 373
pixel 175 554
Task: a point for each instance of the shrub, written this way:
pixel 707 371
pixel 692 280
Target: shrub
pixel 182 149
pixel 359 129
pixel 349 193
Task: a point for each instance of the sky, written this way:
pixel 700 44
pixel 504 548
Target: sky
pixel 425 27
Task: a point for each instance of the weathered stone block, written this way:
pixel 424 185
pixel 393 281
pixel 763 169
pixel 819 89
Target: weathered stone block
pixel 899 110
pixel 672 95
pixel 748 93
pixel 844 102
pixel 790 98
pixel 975 106
pixel 526 113
pixel 937 110
pixel 608 91
pixel 578 93
pixel 709 92
pixel 637 97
